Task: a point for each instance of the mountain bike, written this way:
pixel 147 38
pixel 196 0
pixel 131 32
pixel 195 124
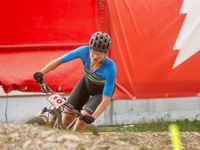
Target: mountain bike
pixel 55 111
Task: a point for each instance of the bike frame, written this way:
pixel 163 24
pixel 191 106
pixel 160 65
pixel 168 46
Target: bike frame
pixel 56 113
pixel 56 110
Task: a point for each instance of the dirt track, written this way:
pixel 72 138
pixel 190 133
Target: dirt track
pixel 14 136
pixel 158 140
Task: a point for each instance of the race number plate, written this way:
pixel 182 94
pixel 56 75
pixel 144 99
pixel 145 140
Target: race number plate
pixel 56 100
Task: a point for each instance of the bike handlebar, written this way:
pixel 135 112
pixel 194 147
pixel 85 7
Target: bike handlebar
pixel 45 87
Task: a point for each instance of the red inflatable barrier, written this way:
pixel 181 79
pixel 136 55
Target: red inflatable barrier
pixel 155 44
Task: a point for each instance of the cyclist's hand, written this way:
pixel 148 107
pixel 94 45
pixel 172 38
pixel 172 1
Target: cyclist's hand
pixel 38 76
pixel 87 119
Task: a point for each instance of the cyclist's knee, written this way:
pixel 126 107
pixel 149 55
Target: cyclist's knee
pixel 68 117
pixel 85 112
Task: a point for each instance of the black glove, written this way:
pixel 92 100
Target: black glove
pixel 38 76
pixel 87 119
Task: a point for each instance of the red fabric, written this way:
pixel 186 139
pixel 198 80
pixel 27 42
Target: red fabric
pixel 17 69
pixel 47 22
pixel 143 33
pixel 33 33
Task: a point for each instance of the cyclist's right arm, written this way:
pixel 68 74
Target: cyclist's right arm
pixel 51 66
pixel 77 53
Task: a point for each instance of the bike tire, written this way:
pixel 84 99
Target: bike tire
pixel 35 120
pixel 93 129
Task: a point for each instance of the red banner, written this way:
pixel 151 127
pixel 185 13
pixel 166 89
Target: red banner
pixel 155 44
pixel 33 33
pixel 156 48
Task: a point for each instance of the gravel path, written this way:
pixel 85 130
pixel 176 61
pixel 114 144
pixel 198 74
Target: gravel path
pixel 15 136
pixel 158 140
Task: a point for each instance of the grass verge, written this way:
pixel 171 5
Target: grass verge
pixel 160 125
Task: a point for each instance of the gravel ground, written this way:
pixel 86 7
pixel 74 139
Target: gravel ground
pixel 158 140
pixel 14 136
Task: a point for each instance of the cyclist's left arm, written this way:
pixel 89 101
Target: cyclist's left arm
pixel 107 92
pixel 102 106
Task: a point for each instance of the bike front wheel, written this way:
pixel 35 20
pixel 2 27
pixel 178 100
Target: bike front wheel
pixel 38 120
pixel 93 129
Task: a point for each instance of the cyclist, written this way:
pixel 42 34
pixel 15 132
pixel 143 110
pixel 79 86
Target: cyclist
pixel 95 89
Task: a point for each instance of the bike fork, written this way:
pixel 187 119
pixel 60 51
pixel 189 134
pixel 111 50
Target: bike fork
pixel 48 122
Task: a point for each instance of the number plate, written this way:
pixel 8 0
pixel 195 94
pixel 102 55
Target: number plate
pixel 56 100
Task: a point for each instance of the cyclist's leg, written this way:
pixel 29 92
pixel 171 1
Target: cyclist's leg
pixel 91 105
pixel 77 99
pixel 67 118
pixel 88 109
pixel 80 125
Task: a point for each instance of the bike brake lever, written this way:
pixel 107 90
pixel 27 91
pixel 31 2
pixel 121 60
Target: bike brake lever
pixel 43 87
pixel 77 113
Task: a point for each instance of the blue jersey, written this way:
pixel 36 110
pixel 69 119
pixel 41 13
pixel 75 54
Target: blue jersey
pixel 105 74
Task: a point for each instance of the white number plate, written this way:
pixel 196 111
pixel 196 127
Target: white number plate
pixel 56 100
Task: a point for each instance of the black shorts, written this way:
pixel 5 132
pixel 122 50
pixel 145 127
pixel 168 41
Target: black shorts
pixel 86 95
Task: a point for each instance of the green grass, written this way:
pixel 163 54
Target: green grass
pixel 160 125
pixel 184 126
pixel 109 128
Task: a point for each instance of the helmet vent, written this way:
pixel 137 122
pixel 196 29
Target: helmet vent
pixel 91 42
pixel 95 44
